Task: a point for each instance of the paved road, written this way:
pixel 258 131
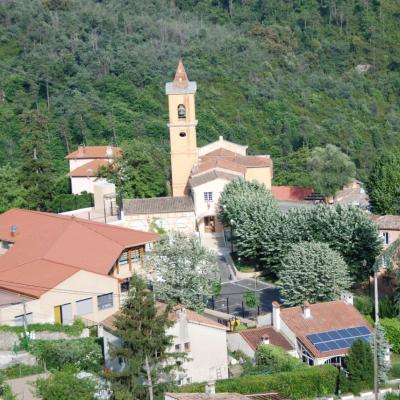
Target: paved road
pixel 23 388
pixel 225 272
pixel 231 298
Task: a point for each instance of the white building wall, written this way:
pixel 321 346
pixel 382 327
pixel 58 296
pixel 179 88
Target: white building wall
pixel 75 163
pixel 236 342
pixel 84 184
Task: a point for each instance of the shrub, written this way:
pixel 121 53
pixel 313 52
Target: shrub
pixel 84 354
pixel 364 304
pixel 277 359
pixel 72 330
pixel 299 384
pixel 65 385
pixel 5 390
pixel 394 372
pixel 387 307
pixel 20 370
pixel 392 332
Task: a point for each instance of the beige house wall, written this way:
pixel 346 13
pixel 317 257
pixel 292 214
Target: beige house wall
pixel 178 221
pixel 262 175
pixel 183 148
pixel 393 235
pixel 85 184
pixel 80 286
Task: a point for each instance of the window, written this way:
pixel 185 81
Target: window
pixel 208 196
pixel 123 260
pixel 385 237
pixel 19 319
pixel 187 346
pixel 181 111
pixel 125 286
pixel 84 307
pixel 135 255
pixel 177 347
pixel 105 301
pixel 182 134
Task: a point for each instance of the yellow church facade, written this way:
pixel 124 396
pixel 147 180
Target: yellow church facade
pixel 198 174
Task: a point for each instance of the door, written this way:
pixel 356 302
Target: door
pixel 209 224
pixel 57 314
pixel 66 314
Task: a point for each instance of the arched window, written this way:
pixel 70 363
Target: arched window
pixel 182 134
pixel 181 111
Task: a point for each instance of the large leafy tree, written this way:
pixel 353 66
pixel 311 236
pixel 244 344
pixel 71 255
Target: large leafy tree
pixel 384 185
pixel 312 272
pixel 330 169
pixel 141 171
pixel 12 194
pixel 251 212
pixel 186 272
pixel 37 174
pixel 144 347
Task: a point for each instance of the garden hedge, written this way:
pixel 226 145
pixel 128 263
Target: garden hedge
pixel 392 332
pixel 299 384
pixel 84 354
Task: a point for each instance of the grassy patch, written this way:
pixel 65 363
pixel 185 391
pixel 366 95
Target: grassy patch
pixel 394 372
pixel 242 264
pixel 20 370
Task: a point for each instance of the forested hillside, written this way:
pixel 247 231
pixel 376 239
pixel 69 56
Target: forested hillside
pixel 282 76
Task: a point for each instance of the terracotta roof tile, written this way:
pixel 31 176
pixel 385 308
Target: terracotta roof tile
pixel 221 163
pixel 253 337
pixel 248 161
pixel 192 316
pixel 50 247
pixel 210 176
pixel 324 317
pixel 84 152
pixel 389 222
pixel 290 193
pixel 89 169
pixel 158 205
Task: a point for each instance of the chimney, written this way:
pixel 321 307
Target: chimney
pixel 109 151
pixel 276 315
pixel 265 339
pixel 13 230
pixel 181 312
pixel 347 297
pixel 306 310
pixel 81 149
pixel 210 388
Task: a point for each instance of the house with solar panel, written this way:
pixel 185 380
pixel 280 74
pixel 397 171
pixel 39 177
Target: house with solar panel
pixel 321 333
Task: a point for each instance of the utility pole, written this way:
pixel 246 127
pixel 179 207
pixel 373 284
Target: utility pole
pixel 375 338
pixel 24 318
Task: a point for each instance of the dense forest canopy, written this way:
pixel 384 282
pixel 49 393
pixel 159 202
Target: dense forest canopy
pixel 282 76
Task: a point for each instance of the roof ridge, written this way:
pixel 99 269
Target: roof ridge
pixel 101 234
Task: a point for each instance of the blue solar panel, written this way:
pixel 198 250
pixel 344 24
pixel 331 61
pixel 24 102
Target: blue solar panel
pixel 339 339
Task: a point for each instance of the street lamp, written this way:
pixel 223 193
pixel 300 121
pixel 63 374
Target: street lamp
pixel 232 222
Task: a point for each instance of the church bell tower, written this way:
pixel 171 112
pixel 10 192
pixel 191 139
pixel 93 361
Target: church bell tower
pixel 182 129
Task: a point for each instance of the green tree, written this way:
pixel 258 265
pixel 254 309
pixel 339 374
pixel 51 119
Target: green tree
pixel 144 346
pixel 277 359
pixel 66 385
pixel 186 271
pixel 360 365
pixel 384 185
pixel 383 354
pixel 312 272
pixel 330 169
pixel 37 171
pixel 250 299
pixel 12 193
pixel 141 172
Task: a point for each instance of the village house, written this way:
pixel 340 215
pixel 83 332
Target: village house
pixel 55 268
pixel 389 228
pixel 84 164
pixel 321 333
pixel 248 340
pixel 198 173
pixel 201 338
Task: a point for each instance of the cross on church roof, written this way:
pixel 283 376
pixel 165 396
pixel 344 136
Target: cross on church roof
pixel 181 80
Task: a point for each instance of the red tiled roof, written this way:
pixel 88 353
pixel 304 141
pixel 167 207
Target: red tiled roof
pixel 325 317
pixel 253 337
pixel 221 163
pixel 247 161
pixel 181 79
pixel 192 316
pixel 84 152
pixel 290 193
pixel 89 169
pixel 48 248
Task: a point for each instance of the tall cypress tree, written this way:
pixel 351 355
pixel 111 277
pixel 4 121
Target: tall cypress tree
pixel 37 170
pixel 144 347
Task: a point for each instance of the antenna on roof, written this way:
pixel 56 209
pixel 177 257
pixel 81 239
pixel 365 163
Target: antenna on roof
pixel 13 229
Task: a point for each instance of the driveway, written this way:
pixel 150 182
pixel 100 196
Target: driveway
pixel 24 388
